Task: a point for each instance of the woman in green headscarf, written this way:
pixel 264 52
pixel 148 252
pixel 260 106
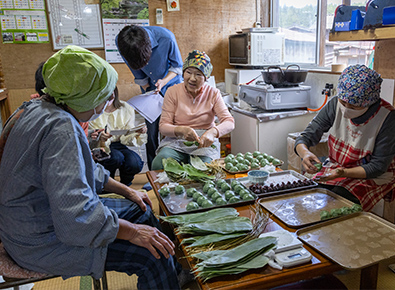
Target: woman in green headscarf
pixel 52 219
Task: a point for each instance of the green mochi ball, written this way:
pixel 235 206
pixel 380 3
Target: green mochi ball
pixel 192 205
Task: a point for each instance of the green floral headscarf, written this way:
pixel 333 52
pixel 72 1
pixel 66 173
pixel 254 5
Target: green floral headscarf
pixel 79 78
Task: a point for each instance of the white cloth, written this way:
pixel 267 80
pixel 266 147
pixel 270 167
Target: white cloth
pixel 121 119
pixel 178 144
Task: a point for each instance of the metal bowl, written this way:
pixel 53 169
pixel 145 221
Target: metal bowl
pixel 258 176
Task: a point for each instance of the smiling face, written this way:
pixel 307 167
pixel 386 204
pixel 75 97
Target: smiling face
pixel 193 80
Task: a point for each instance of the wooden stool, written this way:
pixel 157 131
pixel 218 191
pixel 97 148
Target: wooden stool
pixel 16 276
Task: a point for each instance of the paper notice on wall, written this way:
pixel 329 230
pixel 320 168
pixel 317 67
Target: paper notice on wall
pixel 22 21
pixel 111 28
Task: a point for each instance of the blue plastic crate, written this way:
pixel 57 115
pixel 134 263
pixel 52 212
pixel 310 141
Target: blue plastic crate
pixel 342 26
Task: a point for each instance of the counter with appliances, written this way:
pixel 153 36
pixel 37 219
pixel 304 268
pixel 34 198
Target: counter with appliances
pixel 269 110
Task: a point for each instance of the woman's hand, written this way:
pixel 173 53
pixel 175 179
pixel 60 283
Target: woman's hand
pixel 142 130
pixel 333 174
pixel 186 133
pixel 96 133
pixel 105 136
pixel 101 134
pixel 146 236
pixel 308 159
pixel 208 138
pixel 159 85
pixel 138 197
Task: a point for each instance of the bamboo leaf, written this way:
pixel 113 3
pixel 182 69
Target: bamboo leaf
pixel 198 163
pixel 213 238
pixel 201 216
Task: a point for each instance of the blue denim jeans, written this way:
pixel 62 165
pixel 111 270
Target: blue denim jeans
pixel 123 256
pixel 152 141
pixel 127 161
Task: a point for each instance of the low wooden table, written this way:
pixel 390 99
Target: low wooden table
pixel 267 277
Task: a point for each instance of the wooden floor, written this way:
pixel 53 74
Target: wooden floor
pixel 121 281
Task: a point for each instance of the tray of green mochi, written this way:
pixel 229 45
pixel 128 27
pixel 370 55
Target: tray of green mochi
pixel 212 194
pixel 242 163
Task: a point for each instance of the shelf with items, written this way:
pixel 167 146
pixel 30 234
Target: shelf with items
pixel 364 35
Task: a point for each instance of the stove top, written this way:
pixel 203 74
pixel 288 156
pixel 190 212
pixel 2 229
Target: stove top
pixel 265 87
pixel 284 85
pixel 268 97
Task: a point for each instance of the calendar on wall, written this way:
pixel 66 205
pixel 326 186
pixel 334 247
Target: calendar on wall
pixel 23 21
pixel 75 22
pixel 111 29
pixel 116 15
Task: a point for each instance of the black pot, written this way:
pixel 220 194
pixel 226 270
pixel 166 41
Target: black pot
pixel 284 77
pixel 294 76
pixel 273 77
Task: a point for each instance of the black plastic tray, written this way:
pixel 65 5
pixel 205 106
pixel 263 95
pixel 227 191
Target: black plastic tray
pixel 279 177
pixel 176 204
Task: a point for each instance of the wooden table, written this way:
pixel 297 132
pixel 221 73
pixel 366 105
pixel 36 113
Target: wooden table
pixel 267 277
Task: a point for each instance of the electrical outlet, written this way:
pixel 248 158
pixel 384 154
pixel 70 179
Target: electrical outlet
pixel 159 16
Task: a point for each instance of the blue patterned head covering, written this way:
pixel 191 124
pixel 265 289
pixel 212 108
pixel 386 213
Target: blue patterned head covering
pixel 359 86
pixel 199 60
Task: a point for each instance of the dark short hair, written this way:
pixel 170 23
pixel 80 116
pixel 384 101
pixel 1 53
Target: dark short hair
pixel 135 46
pixel 39 79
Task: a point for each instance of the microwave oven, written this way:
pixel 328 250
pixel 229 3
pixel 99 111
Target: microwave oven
pixel 256 49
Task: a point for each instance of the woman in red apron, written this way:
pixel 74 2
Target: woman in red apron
pixel 361 163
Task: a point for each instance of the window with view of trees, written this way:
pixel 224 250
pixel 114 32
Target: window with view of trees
pixel 306 25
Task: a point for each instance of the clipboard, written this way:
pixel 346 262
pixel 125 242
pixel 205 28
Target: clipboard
pixel 148 105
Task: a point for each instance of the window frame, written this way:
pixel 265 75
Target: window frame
pixel 321 15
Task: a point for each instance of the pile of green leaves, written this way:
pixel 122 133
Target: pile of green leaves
pixel 200 216
pixel 197 241
pixel 225 225
pixel 177 172
pixel 237 260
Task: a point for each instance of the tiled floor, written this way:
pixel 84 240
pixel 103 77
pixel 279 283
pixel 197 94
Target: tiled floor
pixel 120 281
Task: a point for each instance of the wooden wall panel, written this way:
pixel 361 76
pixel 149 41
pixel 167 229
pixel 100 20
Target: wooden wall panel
pixel 384 59
pixel 201 24
pixel 206 25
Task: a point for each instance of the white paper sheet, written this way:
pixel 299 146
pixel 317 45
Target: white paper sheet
pixel 126 131
pixel 148 105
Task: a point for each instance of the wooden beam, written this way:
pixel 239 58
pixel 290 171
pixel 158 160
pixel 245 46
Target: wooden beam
pixel 363 35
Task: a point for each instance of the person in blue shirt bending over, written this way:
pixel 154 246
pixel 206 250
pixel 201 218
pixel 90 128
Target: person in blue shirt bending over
pixel 153 56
